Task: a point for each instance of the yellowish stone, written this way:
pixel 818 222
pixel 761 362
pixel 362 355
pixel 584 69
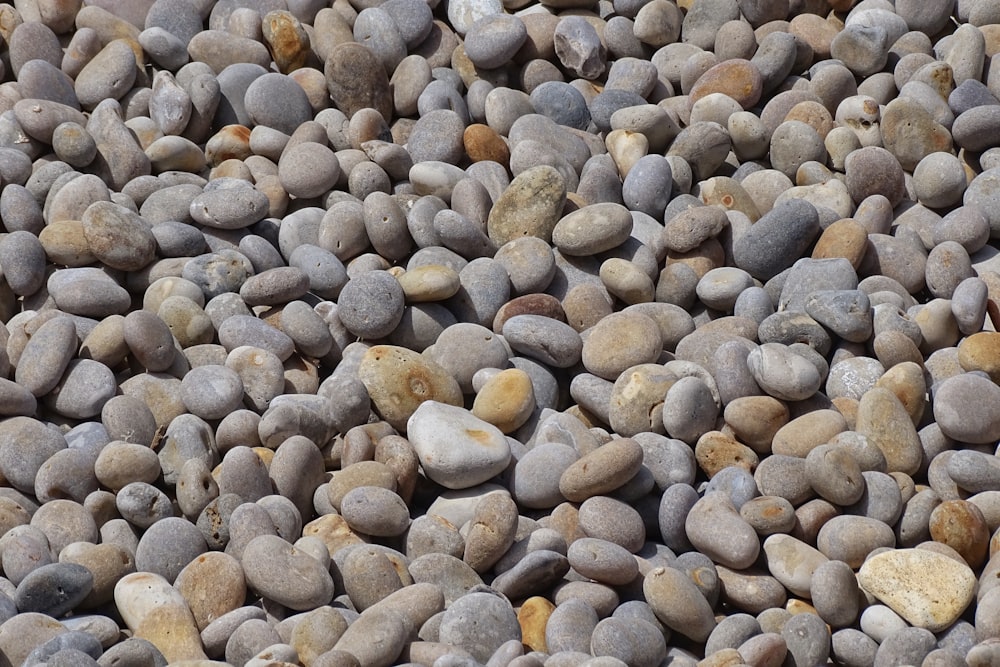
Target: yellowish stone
pixel 927 589
pixel 433 282
pixel 533 616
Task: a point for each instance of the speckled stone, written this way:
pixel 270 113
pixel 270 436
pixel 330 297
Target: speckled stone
pixel 927 589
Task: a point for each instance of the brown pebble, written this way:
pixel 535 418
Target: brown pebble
pixel 483 143
pixel 739 79
pixel 845 238
pixel 961 525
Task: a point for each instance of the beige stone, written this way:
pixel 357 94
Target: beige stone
pixel 927 589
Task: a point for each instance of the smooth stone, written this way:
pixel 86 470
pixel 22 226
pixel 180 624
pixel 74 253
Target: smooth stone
pixel 54 589
pixel 792 562
pixel 715 528
pixel 592 229
pixel 678 603
pixel 155 611
pixel 492 616
pixel 543 338
pixel 530 206
pixel 269 563
pixel 776 240
pixel 602 470
pixel 782 373
pixel 357 80
pixel 927 589
pixel 399 380
pixel 476 452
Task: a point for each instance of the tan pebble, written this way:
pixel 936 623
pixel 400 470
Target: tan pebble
pixel 212 584
pixel 845 238
pixel 769 514
pixel 848 407
pixel 317 632
pixel 65 243
pixel 627 281
pixel 399 380
pixel 738 78
pixel 792 562
pixel 529 304
pixel 755 419
pixel 172 153
pixel 678 603
pixel 397 454
pixel 107 562
pixel 506 400
pixel 883 419
pixel 709 255
pixel 814 114
pixel 799 436
pixel 981 352
pixel 816 31
pixel 764 650
pixel 726 657
pixel 492 531
pixel 314 83
pixel 894 347
pixel 618 342
pixel 585 305
pixel 906 381
pixel 927 589
pixel 530 206
pixel 715 451
pixel 727 193
pixel 626 148
pixel 794 606
pixel 432 282
pixel 810 517
pixel 358 474
pixel 230 142
pixel 106 342
pixel 565 519
pixel 156 611
pixel 601 471
pixel 751 590
pixel 533 616
pixel 231 168
pixel 910 133
pixel 333 530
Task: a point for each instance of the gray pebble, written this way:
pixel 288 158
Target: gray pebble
pixel 53 589
pixel 371 304
pixel 492 617
pixel 168 546
pixel 909 645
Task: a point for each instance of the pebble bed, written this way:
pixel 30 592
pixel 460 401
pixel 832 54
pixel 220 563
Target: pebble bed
pixel 499 333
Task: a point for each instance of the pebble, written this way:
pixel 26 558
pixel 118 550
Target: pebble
pixel 974 427
pixel 678 603
pixel 764 251
pixel 475 452
pixel 53 589
pixel 268 561
pixel 927 589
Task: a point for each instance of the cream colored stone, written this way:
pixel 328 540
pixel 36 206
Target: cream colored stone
pixel 927 589
pixel 156 611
